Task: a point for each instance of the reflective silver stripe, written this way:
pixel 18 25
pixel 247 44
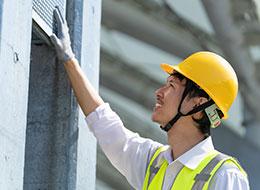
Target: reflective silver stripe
pixel 153 169
pixel 173 180
pixel 204 175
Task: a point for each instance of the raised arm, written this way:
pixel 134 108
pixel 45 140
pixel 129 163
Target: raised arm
pixel 121 146
pixel 87 96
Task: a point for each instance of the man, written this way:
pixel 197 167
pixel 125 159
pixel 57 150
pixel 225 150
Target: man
pixel 197 94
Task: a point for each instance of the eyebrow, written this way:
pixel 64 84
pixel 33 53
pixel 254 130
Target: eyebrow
pixel 168 78
pixel 173 80
pixel 174 77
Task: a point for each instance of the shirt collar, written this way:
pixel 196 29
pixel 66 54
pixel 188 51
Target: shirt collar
pixel 194 156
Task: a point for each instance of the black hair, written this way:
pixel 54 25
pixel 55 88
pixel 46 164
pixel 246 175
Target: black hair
pixel 203 123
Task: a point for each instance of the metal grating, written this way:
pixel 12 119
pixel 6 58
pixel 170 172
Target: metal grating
pixel 43 13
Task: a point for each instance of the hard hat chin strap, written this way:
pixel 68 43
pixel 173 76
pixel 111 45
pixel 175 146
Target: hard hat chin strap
pixel 201 107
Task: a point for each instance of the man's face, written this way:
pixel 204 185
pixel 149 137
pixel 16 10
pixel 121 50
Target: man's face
pixel 167 100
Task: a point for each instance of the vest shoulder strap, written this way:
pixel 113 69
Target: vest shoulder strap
pixel 186 177
pixel 208 171
pixel 203 179
pixel 151 169
pixel 200 178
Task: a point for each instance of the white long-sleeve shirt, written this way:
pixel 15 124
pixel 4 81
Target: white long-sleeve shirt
pixel 131 154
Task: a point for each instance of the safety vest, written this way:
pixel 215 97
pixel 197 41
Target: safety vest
pixel 187 179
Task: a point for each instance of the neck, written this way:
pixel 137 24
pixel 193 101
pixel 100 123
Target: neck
pixel 183 138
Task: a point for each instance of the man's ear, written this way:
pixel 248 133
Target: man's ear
pixel 197 102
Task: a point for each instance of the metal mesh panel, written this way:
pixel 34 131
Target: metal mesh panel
pixel 43 12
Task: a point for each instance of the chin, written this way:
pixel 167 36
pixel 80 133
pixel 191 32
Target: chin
pixel 155 118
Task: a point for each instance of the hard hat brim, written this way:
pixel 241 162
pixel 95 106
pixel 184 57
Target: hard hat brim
pixel 169 68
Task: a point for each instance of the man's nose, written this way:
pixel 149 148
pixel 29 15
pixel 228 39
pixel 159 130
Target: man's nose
pixel 159 91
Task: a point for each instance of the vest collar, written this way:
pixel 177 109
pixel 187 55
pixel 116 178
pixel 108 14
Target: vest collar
pixel 192 157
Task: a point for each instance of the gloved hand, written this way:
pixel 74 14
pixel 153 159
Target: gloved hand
pixel 61 41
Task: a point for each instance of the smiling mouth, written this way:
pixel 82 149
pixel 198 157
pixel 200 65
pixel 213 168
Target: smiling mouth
pixel 157 106
pixel 159 102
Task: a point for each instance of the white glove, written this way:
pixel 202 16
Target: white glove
pixel 61 41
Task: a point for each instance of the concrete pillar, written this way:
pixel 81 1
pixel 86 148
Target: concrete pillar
pixel 15 37
pixel 90 58
pixel 60 151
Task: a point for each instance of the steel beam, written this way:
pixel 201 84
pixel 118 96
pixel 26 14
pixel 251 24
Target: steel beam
pixel 138 23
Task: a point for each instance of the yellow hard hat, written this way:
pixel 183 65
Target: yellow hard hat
pixel 213 74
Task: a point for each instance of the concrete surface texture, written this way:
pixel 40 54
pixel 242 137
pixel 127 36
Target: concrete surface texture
pixel 15 37
pixel 45 143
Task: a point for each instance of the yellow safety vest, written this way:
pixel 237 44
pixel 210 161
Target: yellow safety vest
pixel 188 179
